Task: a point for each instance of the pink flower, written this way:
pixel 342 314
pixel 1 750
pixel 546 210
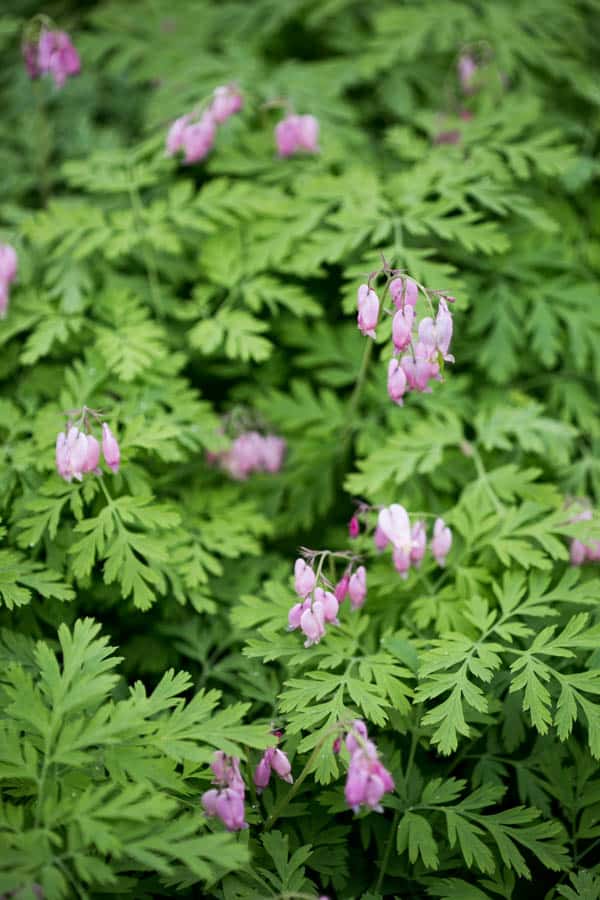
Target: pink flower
pixel 419 370
pixel 8 269
pixel 281 765
pixel 396 382
pixel 92 457
pixel 295 614
pixel 198 139
pixel 262 773
pixel 394 523
pixel 312 623
pixel 467 67
pixel 57 56
pixel 357 588
pixel 353 527
pixel 245 455
pixel 402 324
pixel 176 135
pixel 404 292
pixel 71 454
pixel 226 770
pixel 368 779
pixel 368 310
pixel 110 449
pixel 419 543
pixel 329 603
pixel 341 588
pixel 229 807
pixel 578 552
pixel 436 336
pixel 380 538
pixel 297 133
pixel 441 541
pixel 401 561
pixel 357 736
pixel 304 578
pixel 227 100
pixel 272 451
pixel 209 802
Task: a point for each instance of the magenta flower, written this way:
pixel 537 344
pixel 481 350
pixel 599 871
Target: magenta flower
pixel 275 760
pixel 110 449
pixel 357 588
pixel 368 310
pixel 396 382
pixel 304 578
pixel 227 100
pixel 56 56
pixel 404 292
pixel 353 527
pixel 341 588
pixel 441 541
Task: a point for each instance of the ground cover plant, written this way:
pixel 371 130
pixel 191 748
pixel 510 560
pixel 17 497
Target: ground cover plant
pixel 299 431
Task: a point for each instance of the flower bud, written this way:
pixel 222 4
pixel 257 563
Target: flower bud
pixel 304 578
pixel 441 541
pixel 368 310
pixel 357 588
pixel 110 449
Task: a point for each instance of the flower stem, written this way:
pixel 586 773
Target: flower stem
pixel 360 381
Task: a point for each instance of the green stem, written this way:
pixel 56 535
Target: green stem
pixel 43 144
pixel 481 472
pixel 149 262
pixel 360 381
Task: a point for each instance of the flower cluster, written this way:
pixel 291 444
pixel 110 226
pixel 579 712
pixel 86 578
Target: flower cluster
pixel 52 54
pixel 273 760
pixel 251 452
pixel 368 779
pixel 425 344
pixel 408 541
pixel 8 271
pixel 297 133
pixel 78 451
pixel 195 135
pixel 226 801
pixel 580 552
pixel 320 600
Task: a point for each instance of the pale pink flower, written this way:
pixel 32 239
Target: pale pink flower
pixel 441 541
pixel 71 454
pixel 357 588
pixel 397 382
pixel 295 614
pixel 176 135
pixel 368 310
pixel 401 561
pixel 281 765
pixel 227 100
pixel 404 292
pixel 578 552
pixel 394 523
pixel 312 623
pixel 272 451
pixel 329 603
pixel 381 539
pixel 110 449
pixel 402 324
pixel 9 263
pixel 308 134
pixel 467 68
pixel 198 139
pixel 92 455
pixel 297 133
pixel 304 578
pixel 419 370
pixel 436 336
pixel 419 543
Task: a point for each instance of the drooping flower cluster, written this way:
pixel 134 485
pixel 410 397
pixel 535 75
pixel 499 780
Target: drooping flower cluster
pixel 424 344
pixel 580 552
pixel 195 134
pixel 78 451
pixel 319 599
pixel 8 271
pixel 52 54
pixel 368 779
pixel 251 452
pixel 226 800
pixel 297 134
pixel 408 541
pixel 273 760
